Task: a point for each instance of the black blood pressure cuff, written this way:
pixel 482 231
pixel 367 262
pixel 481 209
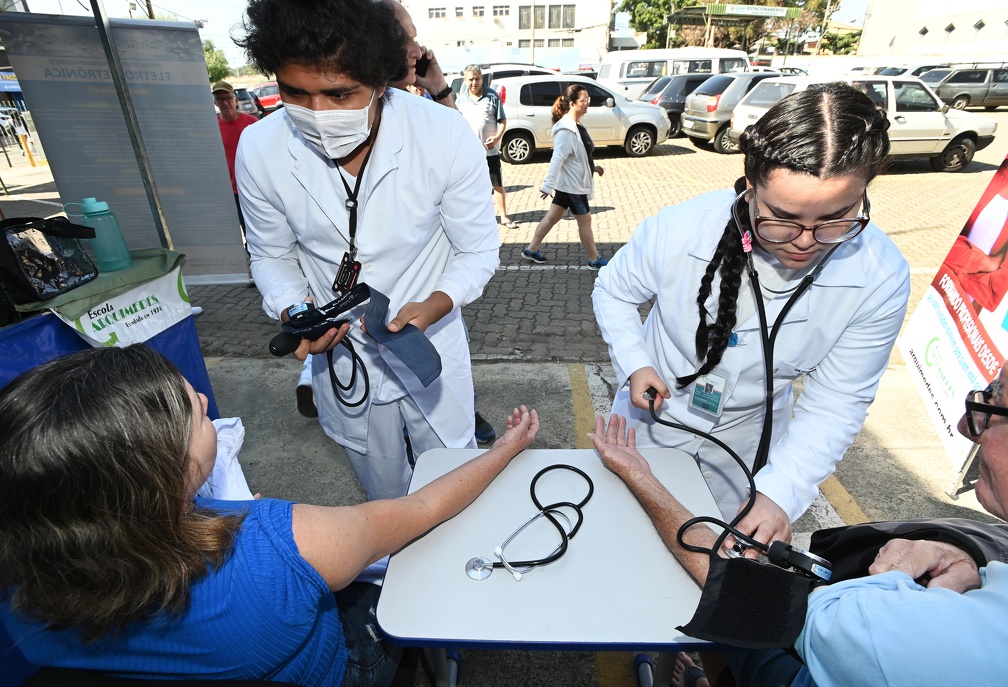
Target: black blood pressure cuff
pixel 409 344
pixel 750 604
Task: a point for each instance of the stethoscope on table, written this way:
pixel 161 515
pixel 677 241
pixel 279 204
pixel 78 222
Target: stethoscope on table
pixel 480 567
pixel 779 553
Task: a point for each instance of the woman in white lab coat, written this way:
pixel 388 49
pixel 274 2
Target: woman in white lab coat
pixel 425 231
pixel 808 161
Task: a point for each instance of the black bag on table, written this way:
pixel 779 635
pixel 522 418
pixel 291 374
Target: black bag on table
pixel 41 259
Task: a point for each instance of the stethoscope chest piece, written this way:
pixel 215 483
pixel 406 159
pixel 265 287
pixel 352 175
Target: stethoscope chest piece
pixel 478 568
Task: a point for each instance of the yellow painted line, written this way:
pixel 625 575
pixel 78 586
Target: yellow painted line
pixel 581 404
pixel 843 503
pixel 612 668
pixel 211 361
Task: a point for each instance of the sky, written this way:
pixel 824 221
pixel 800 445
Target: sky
pixel 221 15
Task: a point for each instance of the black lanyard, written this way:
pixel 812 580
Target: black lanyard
pixel 351 201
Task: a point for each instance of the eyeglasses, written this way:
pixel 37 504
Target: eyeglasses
pixel 979 410
pixel 222 98
pixel 773 230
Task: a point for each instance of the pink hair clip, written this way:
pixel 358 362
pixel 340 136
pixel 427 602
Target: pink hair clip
pixel 746 242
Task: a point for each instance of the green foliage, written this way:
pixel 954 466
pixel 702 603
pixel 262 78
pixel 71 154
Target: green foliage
pixel 841 45
pixel 651 16
pixel 216 61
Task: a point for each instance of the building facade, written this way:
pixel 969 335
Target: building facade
pixel 968 30
pixel 563 34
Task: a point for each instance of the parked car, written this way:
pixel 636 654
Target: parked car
pixel 961 88
pixel 269 95
pixel 670 93
pixel 792 71
pixel 248 103
pixel 920 124
pixel 611 119
pixel 499 70
pixel 911 70
pixel 708 109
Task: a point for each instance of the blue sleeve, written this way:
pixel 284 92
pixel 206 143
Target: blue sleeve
pixel 887 629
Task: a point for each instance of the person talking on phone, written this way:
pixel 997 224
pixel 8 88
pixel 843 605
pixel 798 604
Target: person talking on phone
pixel 354 171
pixel 801 211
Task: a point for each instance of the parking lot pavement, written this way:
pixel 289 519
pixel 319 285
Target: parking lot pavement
pixel 534 340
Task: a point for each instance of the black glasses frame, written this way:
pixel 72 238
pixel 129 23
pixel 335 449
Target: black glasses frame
pixel 861 220
pixel 979 410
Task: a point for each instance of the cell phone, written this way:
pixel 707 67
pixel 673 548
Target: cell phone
pixel 421 66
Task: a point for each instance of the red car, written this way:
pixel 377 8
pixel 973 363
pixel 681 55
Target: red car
pixel 268 94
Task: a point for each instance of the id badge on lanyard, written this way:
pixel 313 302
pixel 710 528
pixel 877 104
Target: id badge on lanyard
pixel 708 393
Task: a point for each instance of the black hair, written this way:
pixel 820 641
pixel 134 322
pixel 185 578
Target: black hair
pixel 825 131
pixel 363 39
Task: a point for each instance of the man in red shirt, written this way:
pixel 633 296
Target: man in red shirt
pixel 232 123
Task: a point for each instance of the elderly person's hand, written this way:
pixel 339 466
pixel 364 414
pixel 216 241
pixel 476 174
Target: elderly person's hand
pixel 932 563
pixel 617 447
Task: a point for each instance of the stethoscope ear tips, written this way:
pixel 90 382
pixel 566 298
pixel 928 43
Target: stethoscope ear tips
pixel 498 552
pixel 517 576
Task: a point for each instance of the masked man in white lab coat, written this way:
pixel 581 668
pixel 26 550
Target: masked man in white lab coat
pixel 422 233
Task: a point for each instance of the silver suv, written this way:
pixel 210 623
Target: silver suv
pixel 709 108
pixel 611 119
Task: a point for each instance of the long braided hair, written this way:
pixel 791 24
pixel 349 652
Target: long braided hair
pixel 825 131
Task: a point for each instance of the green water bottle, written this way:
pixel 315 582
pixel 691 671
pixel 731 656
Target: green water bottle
pixel 108 244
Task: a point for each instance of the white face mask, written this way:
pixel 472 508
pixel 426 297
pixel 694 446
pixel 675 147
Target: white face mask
pixel 335 133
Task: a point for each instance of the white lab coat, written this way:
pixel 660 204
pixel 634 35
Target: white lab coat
pixel 425 223
pixel 569 170
pixel 838 335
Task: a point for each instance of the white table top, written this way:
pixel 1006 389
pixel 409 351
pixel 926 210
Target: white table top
pixel 617 587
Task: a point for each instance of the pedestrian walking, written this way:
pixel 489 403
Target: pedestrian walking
pixel 570 178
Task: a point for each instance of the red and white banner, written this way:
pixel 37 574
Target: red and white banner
pixel 957 337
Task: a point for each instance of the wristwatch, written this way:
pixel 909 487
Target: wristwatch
pixel 443 94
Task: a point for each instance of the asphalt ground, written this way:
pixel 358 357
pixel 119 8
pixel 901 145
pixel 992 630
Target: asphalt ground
pixel 534 340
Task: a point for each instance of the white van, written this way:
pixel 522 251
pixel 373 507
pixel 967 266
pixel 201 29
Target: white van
pixel 628 71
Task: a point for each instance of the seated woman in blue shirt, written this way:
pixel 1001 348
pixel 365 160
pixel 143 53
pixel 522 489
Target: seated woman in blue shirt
pixel 108 561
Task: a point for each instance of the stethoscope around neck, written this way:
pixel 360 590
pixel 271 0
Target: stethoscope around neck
pixel 480 567
pixel 779 553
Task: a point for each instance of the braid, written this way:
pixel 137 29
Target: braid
pixel 711 341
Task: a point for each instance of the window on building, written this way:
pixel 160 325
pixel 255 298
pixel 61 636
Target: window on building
pixel 538 43
pixel 555 12
pixel 477 10
pixel 437 12
pixel 524 43
pixel 566 42
pixel 459 44
pixel 509 44
pixel 502 10
pixel 568 17
pixel 553 43
pixel 459 12
pixel 525 15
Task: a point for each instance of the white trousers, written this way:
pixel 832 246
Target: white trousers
pixel 384 471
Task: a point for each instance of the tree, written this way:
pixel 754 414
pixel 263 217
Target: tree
pixel 216 61
pixel 651 16
pixel 841 44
